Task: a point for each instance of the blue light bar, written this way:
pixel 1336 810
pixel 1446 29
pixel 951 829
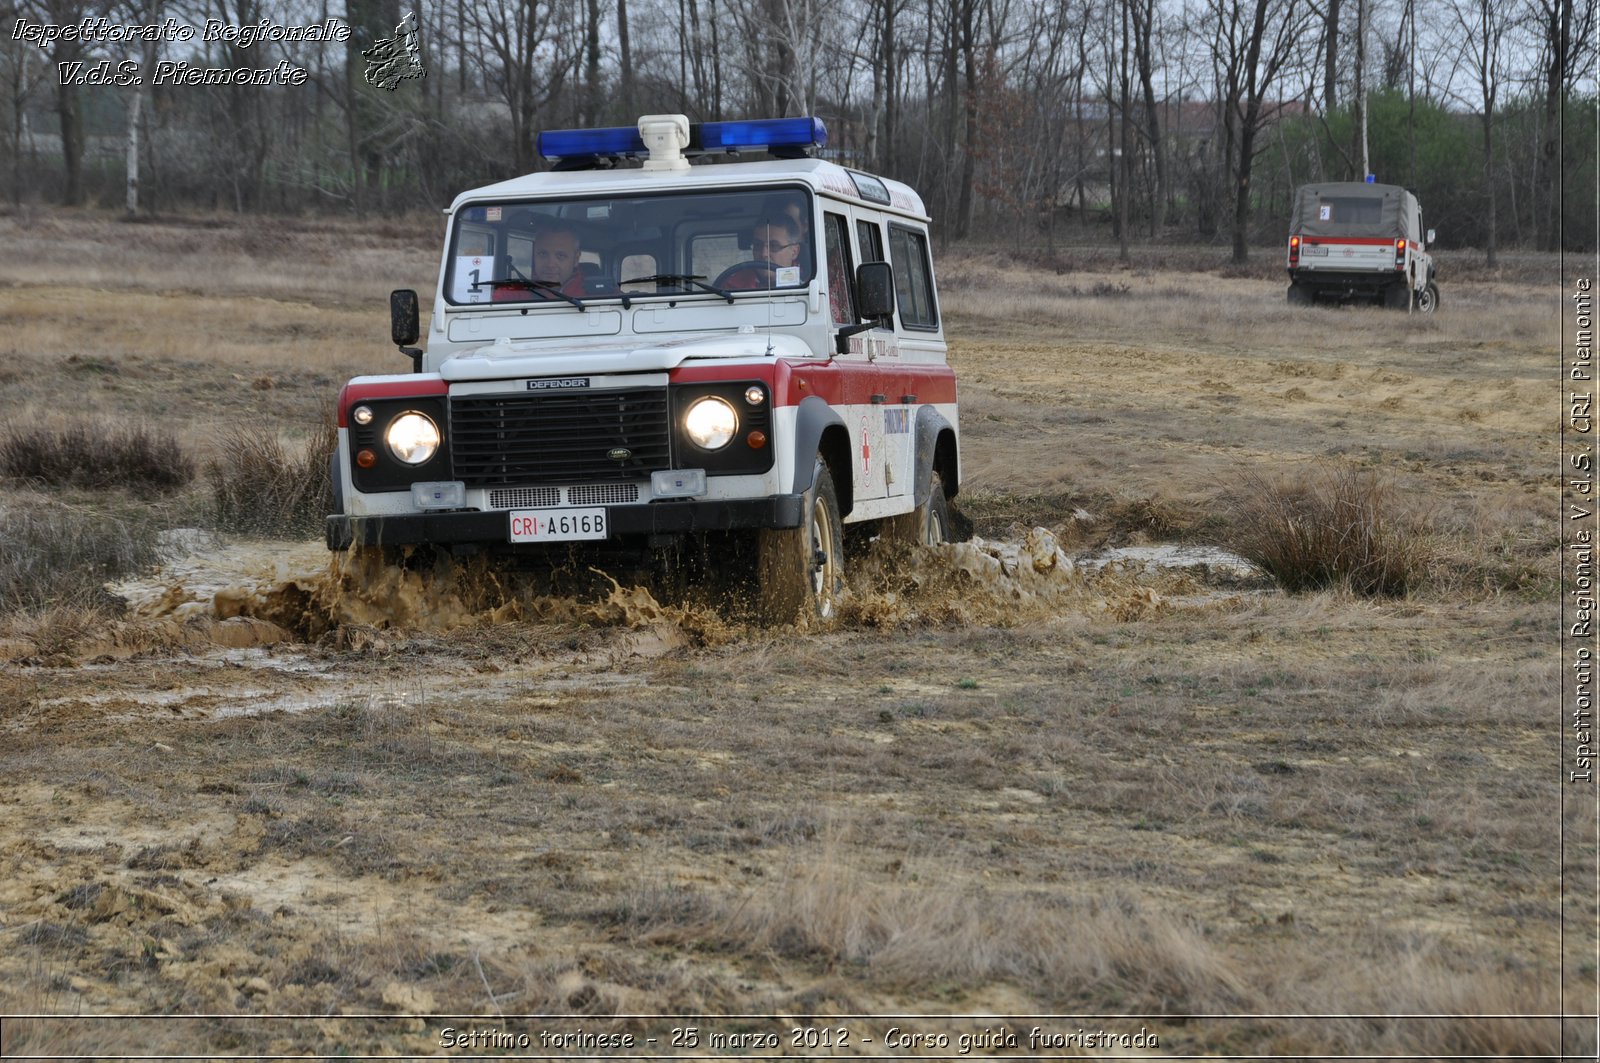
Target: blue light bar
pixel 763 133
pixel 704 138
pixel 577 143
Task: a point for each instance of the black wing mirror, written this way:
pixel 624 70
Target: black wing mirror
pixel 875 289
pixel 405 324
pixel 874 302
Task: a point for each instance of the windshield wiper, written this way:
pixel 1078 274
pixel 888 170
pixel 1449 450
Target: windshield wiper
pixel 534 285
pixel 695 279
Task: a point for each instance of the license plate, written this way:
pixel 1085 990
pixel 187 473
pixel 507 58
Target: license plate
pixel 557 525
pixel 1312 252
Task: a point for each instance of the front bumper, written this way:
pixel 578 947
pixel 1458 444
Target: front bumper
pixel 655 518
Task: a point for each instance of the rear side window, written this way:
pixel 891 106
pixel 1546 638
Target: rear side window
pixel 838 252
pixel 913 278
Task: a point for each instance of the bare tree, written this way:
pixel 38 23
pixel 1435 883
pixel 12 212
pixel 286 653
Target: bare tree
pixel 1484 26
pixel 1252 41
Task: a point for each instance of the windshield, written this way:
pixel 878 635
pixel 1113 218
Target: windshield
pixel 573 251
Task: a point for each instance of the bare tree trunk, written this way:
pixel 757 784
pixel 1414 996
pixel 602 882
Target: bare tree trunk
pixel 1330 70
pixel 1144 19
pixel 626 58
pixel 969 145
pixel 1124 162
pixel 135 105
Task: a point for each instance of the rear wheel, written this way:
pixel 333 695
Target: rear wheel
pixel 928 524
pixel 801 570
pixel 1398 296
pixel 1299 295
pixel 1428 298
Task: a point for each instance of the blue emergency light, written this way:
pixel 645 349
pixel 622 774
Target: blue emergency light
pixel 777 135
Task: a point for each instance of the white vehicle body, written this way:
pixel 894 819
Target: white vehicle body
pixel 561 415
pixel 1349 240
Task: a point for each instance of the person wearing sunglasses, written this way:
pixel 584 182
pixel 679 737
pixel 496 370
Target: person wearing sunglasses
pixel 774 254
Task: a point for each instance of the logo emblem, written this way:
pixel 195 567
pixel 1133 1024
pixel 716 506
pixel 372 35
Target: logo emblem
pixel 619 453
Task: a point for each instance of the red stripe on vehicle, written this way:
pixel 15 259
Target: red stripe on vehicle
pixel 837 383
pixel 1362 241
pixel 351 394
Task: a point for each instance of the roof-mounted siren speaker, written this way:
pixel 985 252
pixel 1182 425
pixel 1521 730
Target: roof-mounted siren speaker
pixel 666 135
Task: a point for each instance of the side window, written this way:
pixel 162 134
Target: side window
pixel 837 237
pixel 913 278
pixel 870 239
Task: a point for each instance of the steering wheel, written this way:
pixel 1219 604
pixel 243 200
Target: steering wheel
pixel 739 267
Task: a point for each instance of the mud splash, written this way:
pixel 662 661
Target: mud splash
pixel 255 593
pixel 305 592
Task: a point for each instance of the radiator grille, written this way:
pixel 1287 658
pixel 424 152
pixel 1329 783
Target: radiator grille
pixel 602 495
pixel 562 437
pixel 524 497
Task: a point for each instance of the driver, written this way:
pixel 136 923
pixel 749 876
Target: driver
pixel 556 253
pixel 774 244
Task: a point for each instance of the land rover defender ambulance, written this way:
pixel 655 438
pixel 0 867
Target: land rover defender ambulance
pixel 678 385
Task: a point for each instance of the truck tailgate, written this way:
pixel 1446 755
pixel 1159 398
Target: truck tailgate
pixel 1331 253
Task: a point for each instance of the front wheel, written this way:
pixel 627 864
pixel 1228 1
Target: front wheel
pixel 1428 298
pixel 801 570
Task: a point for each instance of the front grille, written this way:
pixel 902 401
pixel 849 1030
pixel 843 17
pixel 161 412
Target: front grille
pixel 603 495
pixel 562 437
pixel 524 497
pixel 549 497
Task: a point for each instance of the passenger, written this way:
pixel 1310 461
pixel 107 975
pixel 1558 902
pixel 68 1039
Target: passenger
pixel 556 255
pixel 774 244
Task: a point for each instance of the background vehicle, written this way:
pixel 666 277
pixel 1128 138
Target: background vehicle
pixel 660 401
pixel 1360 241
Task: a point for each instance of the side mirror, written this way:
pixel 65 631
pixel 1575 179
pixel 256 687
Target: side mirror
pixel 404 323
pixel 1430 236
pixel 875 290
pixel 405 326
pixel 874 302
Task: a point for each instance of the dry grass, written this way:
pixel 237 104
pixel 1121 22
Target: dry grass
pixel 1266 804
pixel 62 554
pixel 259 486
pixel 1329 528
pixel 80 455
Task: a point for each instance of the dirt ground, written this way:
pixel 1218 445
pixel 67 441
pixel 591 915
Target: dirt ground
pixel 1037 789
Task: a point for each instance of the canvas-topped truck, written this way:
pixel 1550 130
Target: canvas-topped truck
pixel 682 340
pixel 1351 241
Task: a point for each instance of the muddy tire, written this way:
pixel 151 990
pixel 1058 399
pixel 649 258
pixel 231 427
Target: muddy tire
pixel 1299 295
pixel 800 571
pixel 1428 299
pixel 927 525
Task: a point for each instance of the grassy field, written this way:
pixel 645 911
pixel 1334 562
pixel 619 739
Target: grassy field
pixel 1242 820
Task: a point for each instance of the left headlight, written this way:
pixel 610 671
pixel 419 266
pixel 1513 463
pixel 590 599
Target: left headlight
pixel 710 423
pixel 412 437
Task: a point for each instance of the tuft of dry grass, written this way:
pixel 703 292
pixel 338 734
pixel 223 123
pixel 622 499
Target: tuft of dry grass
pixel 58 554
pixel 261 487
pixel 1328 528
pixel 129 456
pixel 925 931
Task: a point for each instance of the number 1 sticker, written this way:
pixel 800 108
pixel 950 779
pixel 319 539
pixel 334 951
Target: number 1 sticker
pixel 470 270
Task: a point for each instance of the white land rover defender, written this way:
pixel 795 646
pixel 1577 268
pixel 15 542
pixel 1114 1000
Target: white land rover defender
pixel 1350 240
pixel 630 353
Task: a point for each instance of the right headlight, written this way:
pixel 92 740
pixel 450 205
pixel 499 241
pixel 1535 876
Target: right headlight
pixel 710 423
pixel 412 437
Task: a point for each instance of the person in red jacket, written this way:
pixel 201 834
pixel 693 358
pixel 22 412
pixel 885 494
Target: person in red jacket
pixel 774 245
pixel 556 252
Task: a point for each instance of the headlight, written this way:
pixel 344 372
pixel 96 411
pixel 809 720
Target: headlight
pixel 710 423
pixel 412 437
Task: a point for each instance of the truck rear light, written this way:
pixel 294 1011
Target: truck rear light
pixel 1294 250
pixel 1399 254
